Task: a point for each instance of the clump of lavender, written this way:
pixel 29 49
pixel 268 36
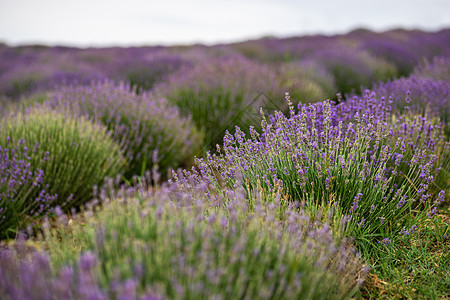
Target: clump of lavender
pixel 149 131
pixel 147 69
pixel 17 82
pixel 417 94
pixel 425 94
pixel 438 68
pixel 396 51
pixel 373 168
pixel 45 74
pixel 184 242
pixel 220 93
pixel 77 153
pixel 23 197
pixel 412 128
pixel 400 47
pixel 34 279
pixel 353 69
pixel 307 81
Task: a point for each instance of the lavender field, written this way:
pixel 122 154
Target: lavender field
pixel 313 167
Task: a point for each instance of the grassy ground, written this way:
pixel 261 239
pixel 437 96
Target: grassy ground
pixel 415 268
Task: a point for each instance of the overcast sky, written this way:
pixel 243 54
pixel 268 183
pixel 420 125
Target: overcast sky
pixel 166 22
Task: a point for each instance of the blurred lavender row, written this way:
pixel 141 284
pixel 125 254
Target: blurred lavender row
pixel 366 56
pixel 214 248
pixel 149 130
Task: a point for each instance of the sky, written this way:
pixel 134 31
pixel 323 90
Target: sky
pixel 86 23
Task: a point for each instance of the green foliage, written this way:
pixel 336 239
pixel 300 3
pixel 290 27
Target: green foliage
pixel 222 93
pixel 414 266
pixel 307 82
pixel 352 71
pixel 213 111
pixel 78 154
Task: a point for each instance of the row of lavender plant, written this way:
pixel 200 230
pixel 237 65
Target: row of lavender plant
pixel 402 48
pixel 149 130
pixel 361 160
pixel 368 55
pixel 372 166
pixel 425 92
pixel 19 182
pixel 363 174
pixel 220 93
pixel 175 243
pixel 149 133
pixel 50 158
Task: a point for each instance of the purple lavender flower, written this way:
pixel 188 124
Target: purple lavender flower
pixel 385 241
pixel 410 230
pixel 432 213
pixel 18 182
pixel 356 202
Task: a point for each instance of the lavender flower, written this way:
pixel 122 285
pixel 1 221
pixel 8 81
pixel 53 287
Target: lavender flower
pixel 22 194
pixel 385 241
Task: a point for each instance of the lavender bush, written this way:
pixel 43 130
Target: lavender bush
pixel 395 51
pixel 221 93
pixel 438 68
pixel 180 244
pixel 78 154
pixel 307 81
pixel 371 167
pixel 45 73
pixel 274 50
pixel 428 98
pixel 425 96
pixel 35 279
pixel 425 93
pixel 149 131
pixel 403 48
pixel 422 95
pixel 353 69
pixel 23 197
pixel 144 72
pixel 16 83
